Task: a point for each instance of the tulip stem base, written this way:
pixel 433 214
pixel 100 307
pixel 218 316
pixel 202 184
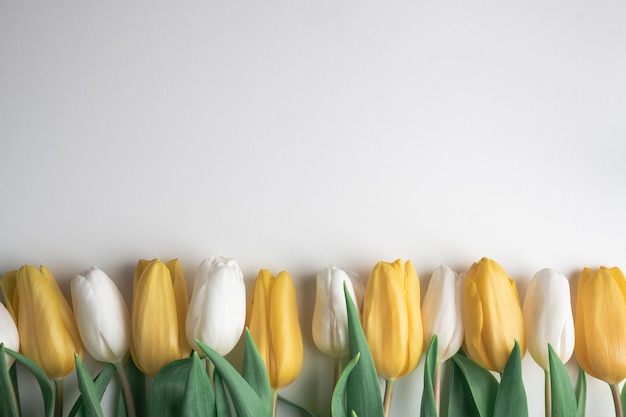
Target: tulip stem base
pixel 388 396
pixel 548 394
pixel 617 399
pixel 337 372
pixel 274 402
pixel 437 386
pixel 58 397
pixel 126 390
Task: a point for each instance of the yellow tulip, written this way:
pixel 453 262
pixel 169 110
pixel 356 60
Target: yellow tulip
pixel 158 315
pixel 492 315
pixel 48 331
pixel 601 324
pixel 392 319
pixel 272 319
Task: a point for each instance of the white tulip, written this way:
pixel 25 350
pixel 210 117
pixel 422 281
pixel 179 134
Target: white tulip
pixel 102 315
pixel 548 317
pixel 8 333
pixel 217 310
pixel 441 312
pixel 330 315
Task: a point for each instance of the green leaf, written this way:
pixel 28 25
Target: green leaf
pixel 101 382
pixel 198 399
pixel 363 391
pixel 222 406
pixel 301 411
pixel 91 401
pixel 254 372
pixel 563 396
pixel 511 398
pixel 459 401
pixel 137 382
pixel 338 402
pixel 482 385
pixel 8 404
pixel 581 393
pixel 42 379
pixel 16 389
pixel 247 403
pixel 428 407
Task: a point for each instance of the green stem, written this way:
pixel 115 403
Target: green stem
pixel 274 402
pixel 548 391
pixel 210 369
pixel 437 386
pixel 126 391
pixel 619 412
pixel 388 396
pixel 58 397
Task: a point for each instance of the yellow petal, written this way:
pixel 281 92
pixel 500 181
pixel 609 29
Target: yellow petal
pixel 258 318
pixel 155 333
pixel 9 289
pixel 414 313
pixel 182 305
pixel 285 332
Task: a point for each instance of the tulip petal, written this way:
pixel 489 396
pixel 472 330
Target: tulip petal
pixel 182 304
pixel 258 319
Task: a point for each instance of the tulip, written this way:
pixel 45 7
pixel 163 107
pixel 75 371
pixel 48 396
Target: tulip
pixel 8 333
pixel 217 311
pixel 601 324
pixel 102 315
pixel 548 317
pixel 441 312
pixel 272 319
pixel 48 332
pixel 392 319
pixel 492 316
pixel 330 315
pixel 158 315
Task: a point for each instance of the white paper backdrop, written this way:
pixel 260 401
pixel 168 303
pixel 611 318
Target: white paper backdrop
pixel 293 134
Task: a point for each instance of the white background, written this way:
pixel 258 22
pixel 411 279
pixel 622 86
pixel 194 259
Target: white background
pixel 291 134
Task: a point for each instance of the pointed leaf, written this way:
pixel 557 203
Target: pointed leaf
pixel 91 401
pixel 254 372
pixel 42 379
pixel 137 382
pixel 247 403
pixel 168 389
pixel 483 387
pixel 363 391
pixel 222 406
pixel 338 402
pixel 428 407
pixel 563 395
pixel 13 373
pixel 301 411
pixel 581 393
pixel 101 382
pixel 511 398
pixel 457 400
pixel 198 399
pixel 8 404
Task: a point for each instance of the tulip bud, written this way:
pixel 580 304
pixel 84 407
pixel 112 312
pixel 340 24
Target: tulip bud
pixel 441 312
pixel 102 315
pixel 158 315
pixel 330 315
pixel 8 333
pixel 392 320
pixel 48 332
pixel 548 317
pixel 272 318
pixel 492 316
pixel 601 323
pixel 217 311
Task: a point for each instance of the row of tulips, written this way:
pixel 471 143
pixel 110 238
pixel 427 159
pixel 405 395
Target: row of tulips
pixel 479 311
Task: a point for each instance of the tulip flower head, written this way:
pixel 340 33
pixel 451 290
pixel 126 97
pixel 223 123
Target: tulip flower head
pixel 158 315
pixel 548 317
pixel 102 315
pixel 392 320
pixel 601 323
pixel 217 311
pixel 8 333
pixel 47 328
pixel 441 312
pixel 330 315
pixel 492 316
pixel 272 318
